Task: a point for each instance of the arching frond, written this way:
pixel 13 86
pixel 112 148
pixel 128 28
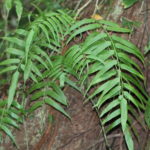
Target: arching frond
pixel 115 80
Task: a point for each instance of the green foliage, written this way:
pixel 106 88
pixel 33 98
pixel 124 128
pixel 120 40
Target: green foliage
pixel 50 5
pixel 129 23
pixel 147 114
pixel 10 117
pixel 147 48
pixel 129 3
pixel 101 64
pixel 31 59
pixel 103 59
pixel 9 4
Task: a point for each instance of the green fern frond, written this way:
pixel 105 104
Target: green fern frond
pixel 48 93
pixel 103 59
pixel 10 117
pixel 30 54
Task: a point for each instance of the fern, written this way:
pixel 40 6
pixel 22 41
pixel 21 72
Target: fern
pixel 107 75
pixel 103 61
pixel 31 59
pixel 10 117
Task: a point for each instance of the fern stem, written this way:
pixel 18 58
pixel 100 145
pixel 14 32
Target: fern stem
pixel 26 134
pixel 118 63
pixel 103 128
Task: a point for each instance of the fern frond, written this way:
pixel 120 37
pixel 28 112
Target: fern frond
pixel 31 52
pixel 10 117
pixel 48 93
pixel 104 61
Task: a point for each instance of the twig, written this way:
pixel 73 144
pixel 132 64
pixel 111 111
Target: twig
pixel 77 6
pixel 80 9
pixel 110 137
pixel 120 143
pixel 102 140
pixel 96 7
pixel 76 136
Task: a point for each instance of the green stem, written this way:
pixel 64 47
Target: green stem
pixel 103 128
